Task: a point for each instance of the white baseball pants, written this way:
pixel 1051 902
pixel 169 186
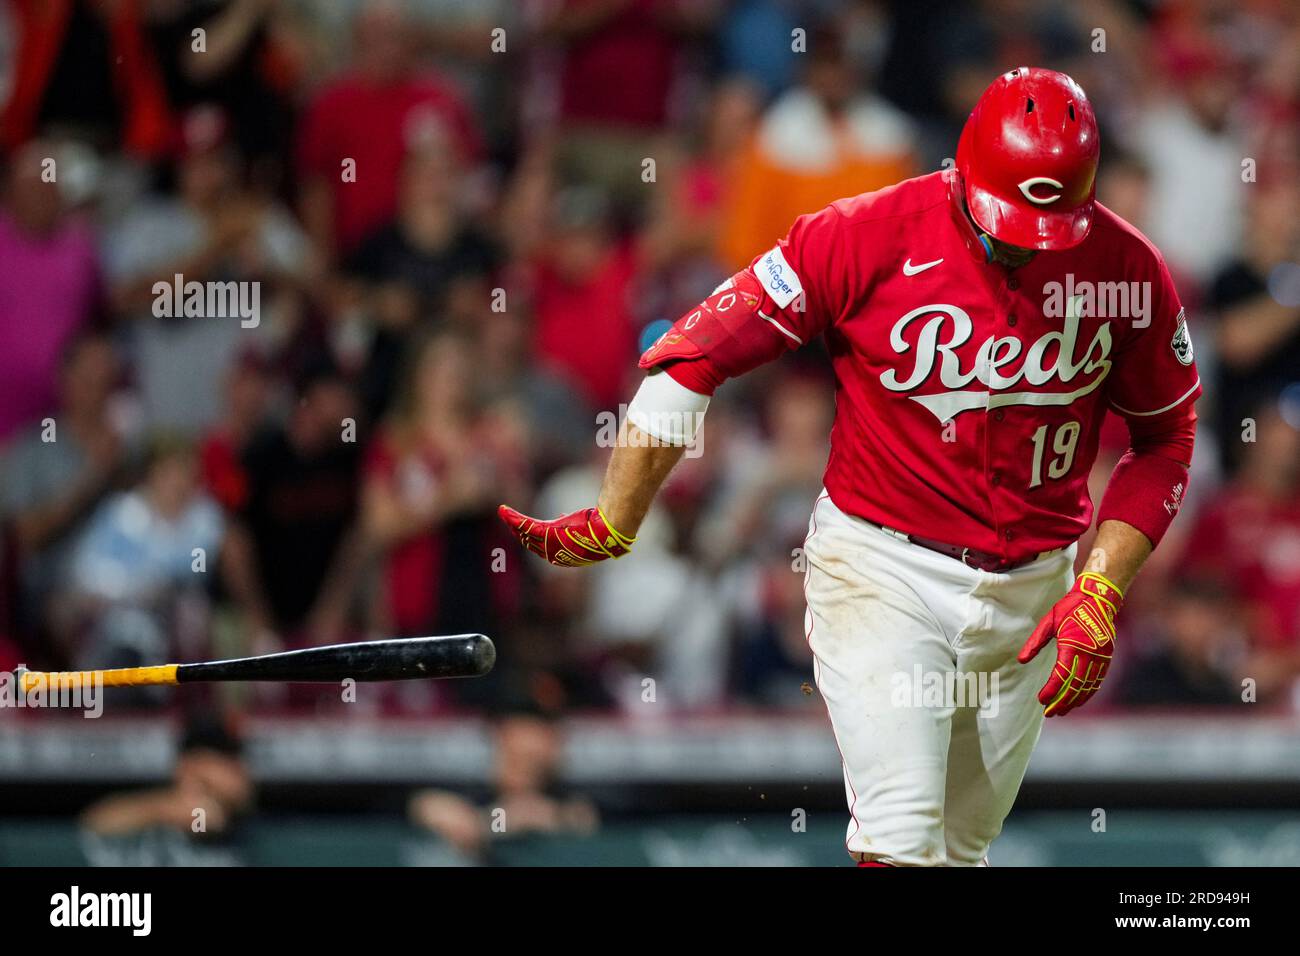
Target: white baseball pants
pixel 915 656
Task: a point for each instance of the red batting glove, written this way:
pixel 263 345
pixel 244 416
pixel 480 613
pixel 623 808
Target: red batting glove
pixel 570 541
pixel 1083 623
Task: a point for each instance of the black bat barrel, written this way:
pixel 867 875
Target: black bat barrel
pixel 412 658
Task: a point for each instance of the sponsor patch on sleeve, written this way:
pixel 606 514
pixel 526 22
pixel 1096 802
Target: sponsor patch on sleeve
pixel 778 278
pixel 1182 340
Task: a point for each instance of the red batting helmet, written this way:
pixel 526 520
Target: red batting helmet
pixel 1028 160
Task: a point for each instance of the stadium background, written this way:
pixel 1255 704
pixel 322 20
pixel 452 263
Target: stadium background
pixel 459 246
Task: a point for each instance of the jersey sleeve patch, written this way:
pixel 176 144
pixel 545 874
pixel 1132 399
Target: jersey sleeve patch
pixel 778 277
pixel 1182 340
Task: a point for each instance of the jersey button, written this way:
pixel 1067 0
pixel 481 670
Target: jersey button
pixel 1013 284
pixel 995 479
pixel 999 415
pixel 1011 320
pixel 1009 535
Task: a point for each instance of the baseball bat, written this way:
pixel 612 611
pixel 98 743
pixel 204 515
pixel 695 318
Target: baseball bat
pixel 408 658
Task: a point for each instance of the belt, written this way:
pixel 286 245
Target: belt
pixel 980 560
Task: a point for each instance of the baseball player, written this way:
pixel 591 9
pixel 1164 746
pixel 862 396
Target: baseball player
pixel 981 321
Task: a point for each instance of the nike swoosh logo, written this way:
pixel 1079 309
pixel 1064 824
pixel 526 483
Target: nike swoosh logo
pixel 911 270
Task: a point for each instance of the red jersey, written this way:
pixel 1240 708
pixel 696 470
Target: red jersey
pixel 585 328
pixel 970 396
pixel 375 125
pixel 621 74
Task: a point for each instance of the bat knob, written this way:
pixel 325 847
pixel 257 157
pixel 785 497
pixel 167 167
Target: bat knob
pixel 25 680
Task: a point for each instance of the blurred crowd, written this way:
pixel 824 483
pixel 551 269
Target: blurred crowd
pixel 448 227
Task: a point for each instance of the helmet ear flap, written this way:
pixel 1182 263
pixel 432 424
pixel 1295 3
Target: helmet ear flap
pixel 957 198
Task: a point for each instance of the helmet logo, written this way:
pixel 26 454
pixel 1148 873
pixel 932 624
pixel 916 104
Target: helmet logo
pixel 1029 184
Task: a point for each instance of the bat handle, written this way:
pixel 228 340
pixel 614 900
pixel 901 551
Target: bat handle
pixel 161 674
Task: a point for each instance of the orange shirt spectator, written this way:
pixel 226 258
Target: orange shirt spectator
pixel 817 143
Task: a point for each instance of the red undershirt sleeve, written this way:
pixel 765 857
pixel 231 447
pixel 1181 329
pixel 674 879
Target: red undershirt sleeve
pixel 1147 487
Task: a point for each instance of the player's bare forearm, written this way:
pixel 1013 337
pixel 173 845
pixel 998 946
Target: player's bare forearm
pixel 637 469
pixel 1118 553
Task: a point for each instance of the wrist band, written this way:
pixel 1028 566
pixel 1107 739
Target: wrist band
pixel 622 539
pixel 1104 586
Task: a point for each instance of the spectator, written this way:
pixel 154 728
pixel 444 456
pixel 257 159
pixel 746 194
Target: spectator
pixel 618 59
pixel 452 34
pixel 49 287
pixel 753 531
pixel 524 787
pixel 249 64
pixel 755 41
pixel 987 37
pixel 428 258
pixel 367 120
pixel 432 485
pixel 619 65
pixel 557 419
pixel 1273 116
pixel 581 285
pixel 1247 539
pixel 85 69
pixel 248 388
pixel 763 502
pixel 427 264
pixel 1191 143
pixel 1186 661
pixel 1257 297
pixel 140 555
pixel 196 819
pixel 53 477
pixel 825 139
pixel 771 656
pixel 1124 184
pixel 678 246
pixel 215 233
pixel 293 555
pixel 678 636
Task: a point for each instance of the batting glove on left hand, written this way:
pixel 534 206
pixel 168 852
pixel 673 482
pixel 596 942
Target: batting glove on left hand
pixel 1083 623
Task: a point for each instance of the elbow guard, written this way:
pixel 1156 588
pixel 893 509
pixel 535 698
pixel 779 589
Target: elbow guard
pixel 734 330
